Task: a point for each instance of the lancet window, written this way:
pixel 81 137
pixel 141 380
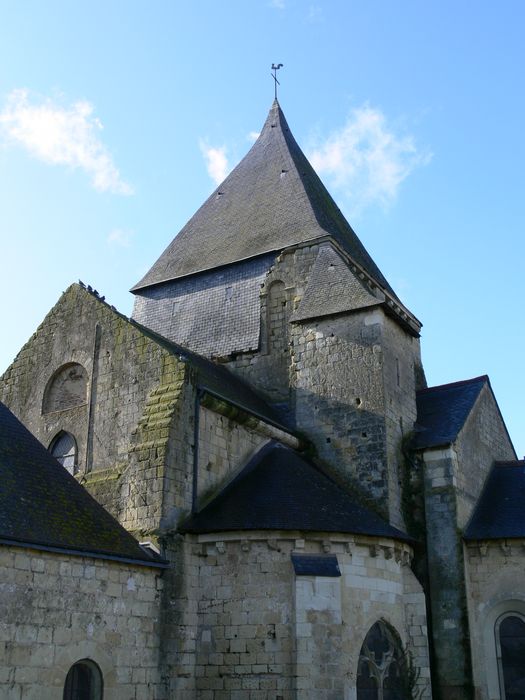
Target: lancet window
pixel 380 666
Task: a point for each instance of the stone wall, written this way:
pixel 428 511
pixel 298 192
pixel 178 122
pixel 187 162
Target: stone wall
pixel 346 381
pixel 57 609
pixel 483 440
pixel 224 447
pixel 494 575
pixel 263 632
pixel 454 478
pixel 134 434
pixel 123 365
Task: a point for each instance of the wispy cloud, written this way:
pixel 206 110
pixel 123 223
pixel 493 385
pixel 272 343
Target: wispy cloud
pixel 120 238
pixel 253 135
pixel 366 160
pixel 216 161
pixel 278 4
pixel 61 135
pixel 315 14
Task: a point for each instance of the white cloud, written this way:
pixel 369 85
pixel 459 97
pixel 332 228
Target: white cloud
pixel 120 237
pixel 279 4
pixel 253 135
pixel 62 136
pixel 366 160
pixel 216 161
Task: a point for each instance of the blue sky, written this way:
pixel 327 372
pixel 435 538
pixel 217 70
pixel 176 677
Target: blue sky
pixel 115 118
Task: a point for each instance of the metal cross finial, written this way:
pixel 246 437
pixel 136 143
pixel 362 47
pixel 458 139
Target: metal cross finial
pixel 275 68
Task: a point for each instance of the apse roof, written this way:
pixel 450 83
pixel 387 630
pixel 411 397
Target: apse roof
pixel 499 512
pixel 281 490
pixel 44 507
pixel 272 199
pixel 442 411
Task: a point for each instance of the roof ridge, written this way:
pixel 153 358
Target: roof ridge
pixel 450 385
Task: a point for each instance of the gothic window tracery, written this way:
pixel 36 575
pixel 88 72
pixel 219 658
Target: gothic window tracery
pixel 64 448
pixel 510 645
pixel 379 667
pixel 83 681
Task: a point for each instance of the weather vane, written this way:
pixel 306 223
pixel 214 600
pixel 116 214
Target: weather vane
pixel 275 68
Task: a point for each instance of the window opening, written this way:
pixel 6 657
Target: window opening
pixel 510 642
pixel 379 669
pixel 64 449
pixel 83 682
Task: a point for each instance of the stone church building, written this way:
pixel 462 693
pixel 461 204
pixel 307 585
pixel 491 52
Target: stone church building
pixel 247 490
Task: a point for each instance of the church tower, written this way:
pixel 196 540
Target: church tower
pixel 269 277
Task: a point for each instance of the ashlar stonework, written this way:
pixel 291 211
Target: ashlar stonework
pixel 263 426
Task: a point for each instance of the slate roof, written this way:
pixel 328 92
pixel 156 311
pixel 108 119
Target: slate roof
pixel 215 378
pixel 280 490
pixel 43 506
pixel 442 411
pixel 271 200
pixel 499 512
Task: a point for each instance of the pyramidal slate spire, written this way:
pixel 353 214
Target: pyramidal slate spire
pixel 271 200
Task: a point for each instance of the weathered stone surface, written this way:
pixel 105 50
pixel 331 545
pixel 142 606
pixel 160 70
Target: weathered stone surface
pixel 57 609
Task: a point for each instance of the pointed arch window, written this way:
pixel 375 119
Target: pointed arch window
pixel 83 681
pixel 510 645
pixel 379 667
pixel 64 449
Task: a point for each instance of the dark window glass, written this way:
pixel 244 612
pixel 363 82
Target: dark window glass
pixel 512 644
pixel 379 675
pixel 83 682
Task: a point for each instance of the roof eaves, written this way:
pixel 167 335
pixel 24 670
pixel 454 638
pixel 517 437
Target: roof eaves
pixel 155 561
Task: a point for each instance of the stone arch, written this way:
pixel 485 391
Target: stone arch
pixel 492 645
pixel 69 654
pixel 510 652
pixel 84 681
pixel 66 389
pixel 64 448
pixel 380 670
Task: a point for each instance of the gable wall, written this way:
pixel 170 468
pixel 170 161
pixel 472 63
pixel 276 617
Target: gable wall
pixel 482 441
pixel 135 395
pixel 122 364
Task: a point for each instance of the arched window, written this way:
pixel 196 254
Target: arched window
pixel 67 388
pixel 83 681
pixel 379 674
pixel 510 645
pixel 64 449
